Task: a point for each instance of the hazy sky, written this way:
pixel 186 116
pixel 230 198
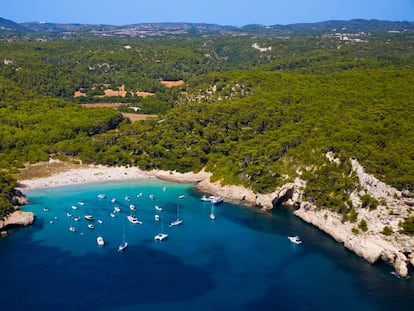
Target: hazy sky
pixel 223 12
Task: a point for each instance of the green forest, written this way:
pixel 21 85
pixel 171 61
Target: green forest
pixel 254 110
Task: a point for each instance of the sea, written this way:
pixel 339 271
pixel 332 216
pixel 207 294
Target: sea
pixel 241 260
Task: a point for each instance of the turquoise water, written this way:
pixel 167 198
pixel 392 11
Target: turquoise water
pixel 241 260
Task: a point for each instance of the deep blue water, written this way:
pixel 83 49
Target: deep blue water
pixel 242 260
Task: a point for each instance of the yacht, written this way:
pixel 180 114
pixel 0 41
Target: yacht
pixel 178 221
pixel 100 241
pixel 295 239
pixel 212 198
pixel 217 199
pixel 161 236
pixel 89 217
pixel 133 219
pixel 122 246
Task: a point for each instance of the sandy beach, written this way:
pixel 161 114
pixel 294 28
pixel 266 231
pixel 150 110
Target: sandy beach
pixel 100 173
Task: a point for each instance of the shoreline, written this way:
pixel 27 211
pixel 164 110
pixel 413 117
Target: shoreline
pixel 396 250
pixel 99 173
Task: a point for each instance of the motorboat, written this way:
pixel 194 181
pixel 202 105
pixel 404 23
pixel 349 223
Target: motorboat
pixel 45 209
pixel 295 239
pixel 101 196
pixel 100 241
pixel 112 215
pixel 133 219
pixel 132 207
pixel 122 246
pixel 72 229
pixel 157 217
pixel 212 198
pixel 100 221
pixel 69 215
pixel 117 209
pixel 182 196
pixel 81 203
pixel 89 217
pixel 74 207
pixel 90 226
pixel 76 218
pixel 161 236
pixel 127 198
pixel 158 208
pixel 151 196
pixel 216 199
pixel 113 200
pixel 212 216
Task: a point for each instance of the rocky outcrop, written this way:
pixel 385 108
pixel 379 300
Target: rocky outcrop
pixel 288 194
pixel 395 249
pixel 17 218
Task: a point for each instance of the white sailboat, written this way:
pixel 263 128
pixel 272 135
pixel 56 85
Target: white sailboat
pixel 178 221
pixel 124 243
pixel 161 236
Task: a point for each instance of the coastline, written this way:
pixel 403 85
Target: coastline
pixel 396 250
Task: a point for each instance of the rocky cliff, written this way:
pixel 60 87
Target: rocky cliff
pixel 395 249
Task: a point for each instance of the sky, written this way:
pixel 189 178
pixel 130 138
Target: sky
pixel 222 12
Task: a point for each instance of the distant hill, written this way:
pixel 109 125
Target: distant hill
pixel 8 25
pixel 166 29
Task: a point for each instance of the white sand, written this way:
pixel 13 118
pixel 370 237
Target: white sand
pixel 103 173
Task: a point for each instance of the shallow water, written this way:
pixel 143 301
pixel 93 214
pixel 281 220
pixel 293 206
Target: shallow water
pixel 241 260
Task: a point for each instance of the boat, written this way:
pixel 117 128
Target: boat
pixel 122 246
pixel 161 236
pixel 217 199
pixel 212 216
pixel 212 198
pixel 90 226
pixel 295 239
pixel 132 207
pixel 72 229
pixel 101 196
pixel 100 241
pixel 178 221
pixel 89 217
pixel 133 219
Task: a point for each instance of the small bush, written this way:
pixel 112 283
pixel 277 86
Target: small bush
pixel 363 225
pixel 387 230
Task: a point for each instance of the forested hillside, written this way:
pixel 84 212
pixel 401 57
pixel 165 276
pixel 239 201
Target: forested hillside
pixel 256 111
